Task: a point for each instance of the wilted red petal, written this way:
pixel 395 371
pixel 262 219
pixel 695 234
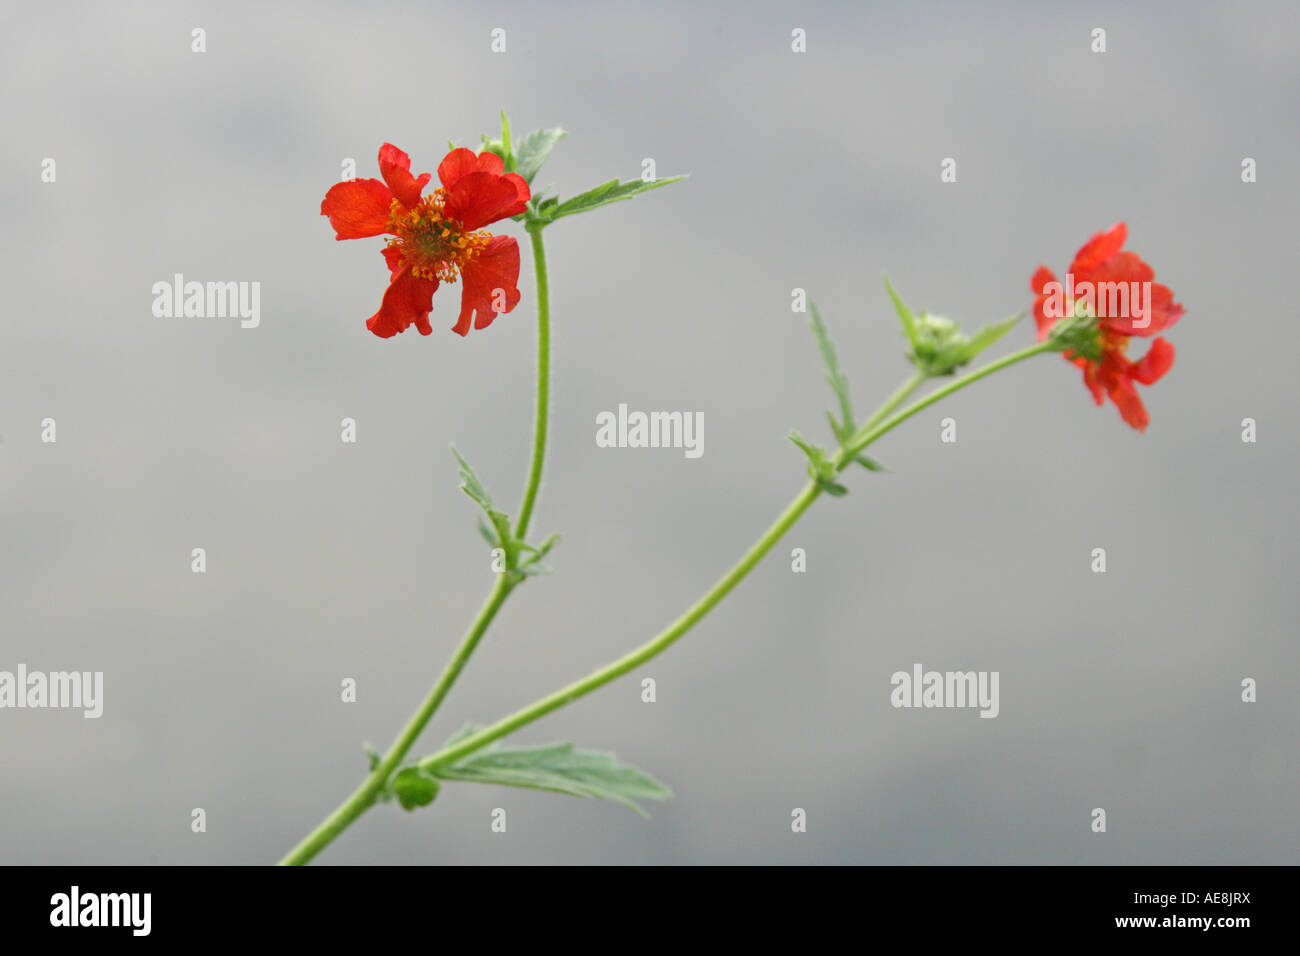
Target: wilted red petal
pixel 357 209
pixel 407 300
pixel 479 198
pixel 1098 249
pixel 1152 366
pixel 395 167
pixel 495 268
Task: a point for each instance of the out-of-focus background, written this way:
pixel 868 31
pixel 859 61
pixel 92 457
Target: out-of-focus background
pixel 817 170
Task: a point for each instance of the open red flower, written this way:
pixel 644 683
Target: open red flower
pixel 1115 287
pixel 436 238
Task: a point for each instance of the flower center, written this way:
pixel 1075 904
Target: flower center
pixel 433 246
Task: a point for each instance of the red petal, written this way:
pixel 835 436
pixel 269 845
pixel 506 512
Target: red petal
pixel 395 258
pixel 407 300
pixel 357 209
pixel 1130 406
pixel 395 167
pixel 1090 370
pixel 1121 267
pixel 1164 310
pixel 495 268
pixel 1127 267
pixel 522 192
pixel 479 198
pixel 1098 249
pixel 491 163
pixel 1038 282
pixel 1152 367
pixel 459 162
pixel 1042 276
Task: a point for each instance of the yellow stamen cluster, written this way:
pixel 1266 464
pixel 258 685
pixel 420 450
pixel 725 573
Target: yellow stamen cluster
pixel 433 246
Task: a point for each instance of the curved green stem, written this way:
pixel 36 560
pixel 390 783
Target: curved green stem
pixel 364 796
pixel 871 430
pixel 893 401
pixel 543 383
pixel 643 653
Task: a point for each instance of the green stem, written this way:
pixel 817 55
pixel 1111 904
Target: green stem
pixel 871 430
pixel 543 383
pixel 642 654
pixel 364 796
pixel 893 401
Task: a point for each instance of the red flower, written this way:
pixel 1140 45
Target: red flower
pixel 437 237
pixel 1116 288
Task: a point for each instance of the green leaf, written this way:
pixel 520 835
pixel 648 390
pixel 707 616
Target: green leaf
pixel 816 454
pixel 470 483
pixel 990 334
pixel 869 463
pixel 559 768
pixel 905 316
pixel 603 195
pixel 472 486
pixel 533 567
pixel 373 756
pixel 500 147
pixel 509 158
pixel 834 376
pixel 414 787
pixel 820 468
pixel 533 151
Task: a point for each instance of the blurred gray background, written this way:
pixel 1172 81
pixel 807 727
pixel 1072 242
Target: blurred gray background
pixel 818 171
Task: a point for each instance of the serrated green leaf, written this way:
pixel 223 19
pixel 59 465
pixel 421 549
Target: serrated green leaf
pixel 834 375
pixel 905 315
pixel 470 483
pixel 559 768
pixel 533 150
pixel 472 486
pixel 604 194
pixel 414 787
